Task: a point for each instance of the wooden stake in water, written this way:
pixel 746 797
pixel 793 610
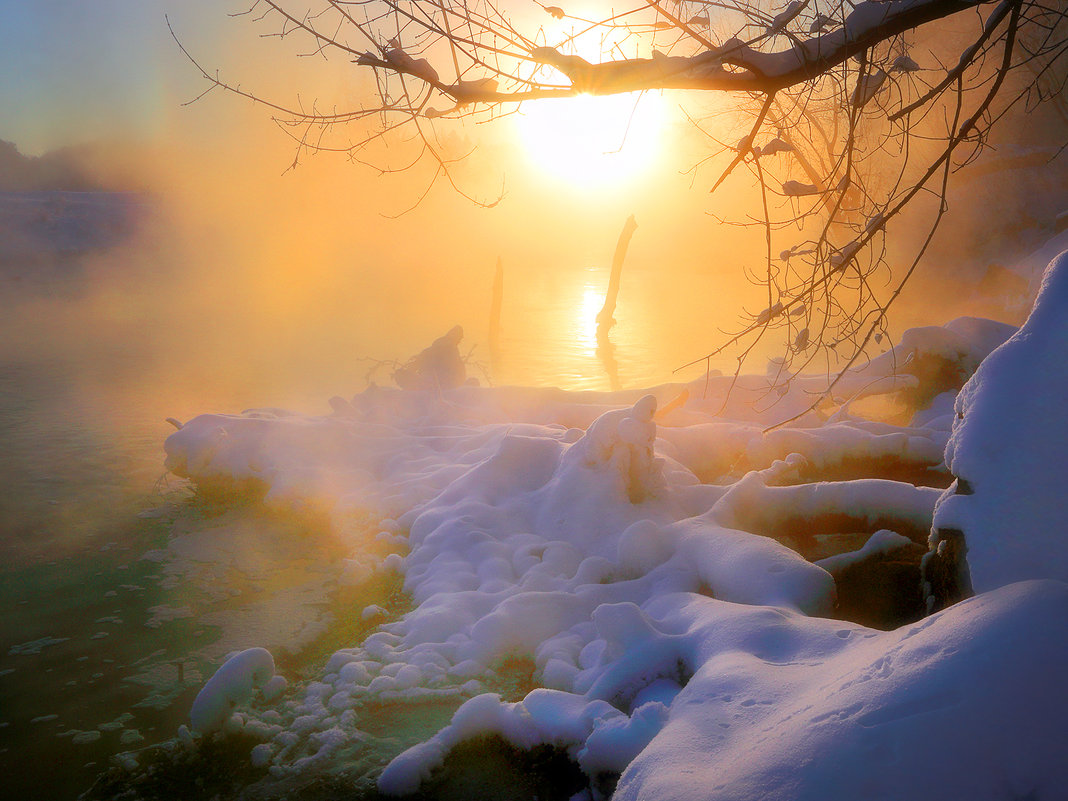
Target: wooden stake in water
pixel 605 320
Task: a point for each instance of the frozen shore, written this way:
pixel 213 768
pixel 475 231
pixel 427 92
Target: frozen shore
pixel 675 582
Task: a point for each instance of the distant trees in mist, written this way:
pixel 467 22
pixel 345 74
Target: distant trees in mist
pixel 57 170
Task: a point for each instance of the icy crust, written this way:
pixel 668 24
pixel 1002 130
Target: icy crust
pixel 579 534
pixel 1009 450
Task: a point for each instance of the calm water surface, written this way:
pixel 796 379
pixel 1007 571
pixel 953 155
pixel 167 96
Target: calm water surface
pixel 105 638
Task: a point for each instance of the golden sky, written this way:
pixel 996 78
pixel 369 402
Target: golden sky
pixel 267 266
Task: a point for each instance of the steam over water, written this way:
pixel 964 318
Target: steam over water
pixel 105 640
pixel 102 649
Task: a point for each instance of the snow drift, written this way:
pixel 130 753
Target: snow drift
pixel 1003 519
pixel 659 576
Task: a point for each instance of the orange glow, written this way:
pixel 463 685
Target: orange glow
pixel 593 140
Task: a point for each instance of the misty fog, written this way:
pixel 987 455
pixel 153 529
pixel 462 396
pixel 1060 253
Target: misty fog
pixel 165 260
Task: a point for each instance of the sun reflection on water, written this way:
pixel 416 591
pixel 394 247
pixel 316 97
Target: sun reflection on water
pixel 550 337
pixel 586 316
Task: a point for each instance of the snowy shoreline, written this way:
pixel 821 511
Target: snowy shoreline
pixel 658 573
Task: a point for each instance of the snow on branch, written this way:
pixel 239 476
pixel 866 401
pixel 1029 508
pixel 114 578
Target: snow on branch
pixel 734 65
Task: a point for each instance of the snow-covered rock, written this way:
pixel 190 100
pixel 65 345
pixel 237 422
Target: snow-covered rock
pixel 1005 517
pixel 774 705
pixel 233 684
pixel 648 571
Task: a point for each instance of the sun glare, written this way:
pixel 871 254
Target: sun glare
pixel 592 140
pixel 586 322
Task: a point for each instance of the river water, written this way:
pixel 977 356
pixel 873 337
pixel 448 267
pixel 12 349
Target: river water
pixel 105 637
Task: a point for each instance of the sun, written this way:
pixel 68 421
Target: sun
pixel 593 140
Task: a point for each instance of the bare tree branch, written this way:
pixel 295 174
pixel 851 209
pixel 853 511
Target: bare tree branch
pixel 833 104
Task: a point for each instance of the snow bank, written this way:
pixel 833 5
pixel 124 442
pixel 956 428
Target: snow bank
pixel 645 572
pixel 754 702
pixel 968 704
pixel 715 451
pixel 1009 449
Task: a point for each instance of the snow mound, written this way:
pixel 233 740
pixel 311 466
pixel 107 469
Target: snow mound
pixel 968 704
pixel 646 579
pixel 1008 451
pixel 882 541
pixel 699 698
pixel 233 684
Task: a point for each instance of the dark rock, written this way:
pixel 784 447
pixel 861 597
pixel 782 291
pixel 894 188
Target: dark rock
pixel 882 591
pixel 944 570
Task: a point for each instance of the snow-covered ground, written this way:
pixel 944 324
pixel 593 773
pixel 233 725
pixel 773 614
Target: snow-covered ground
pixel 669 583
